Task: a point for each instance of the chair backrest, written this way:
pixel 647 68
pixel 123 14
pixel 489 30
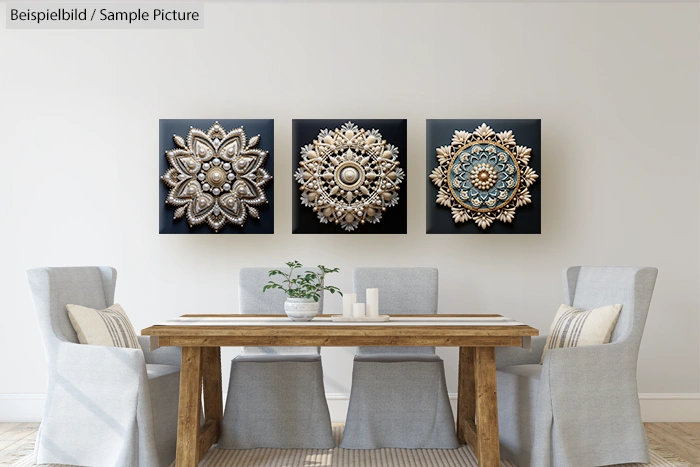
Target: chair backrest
pixel 253 301
pixel 54 288
pixel 406 291
pixel 588 287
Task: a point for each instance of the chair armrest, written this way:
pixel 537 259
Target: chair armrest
pixel 99 390
pixel 162 355
pixel 593 386
pixel 589 369
pixel 98 378
pixel 103 364
pixel 509 356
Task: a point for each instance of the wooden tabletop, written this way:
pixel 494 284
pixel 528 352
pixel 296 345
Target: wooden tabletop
pixel 444 330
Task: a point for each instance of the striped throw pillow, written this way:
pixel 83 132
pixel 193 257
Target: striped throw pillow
pixel 110 327
pixel 576 328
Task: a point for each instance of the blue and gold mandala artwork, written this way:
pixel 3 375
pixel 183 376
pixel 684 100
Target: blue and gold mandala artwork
pixel 483 176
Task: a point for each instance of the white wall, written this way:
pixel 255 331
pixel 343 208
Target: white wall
pixel 616 86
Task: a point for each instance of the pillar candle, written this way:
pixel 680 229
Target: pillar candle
pixel 372 303
pixel 349 300
pixel 358 310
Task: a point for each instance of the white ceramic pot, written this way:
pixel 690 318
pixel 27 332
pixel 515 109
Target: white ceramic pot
pixel 300 309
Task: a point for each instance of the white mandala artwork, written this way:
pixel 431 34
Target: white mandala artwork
pixel 216 177
pixel 349 176
pixel 483 176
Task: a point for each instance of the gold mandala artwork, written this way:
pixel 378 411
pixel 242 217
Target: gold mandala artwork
pixel 483 176
pixel 349 176
pixel 216 177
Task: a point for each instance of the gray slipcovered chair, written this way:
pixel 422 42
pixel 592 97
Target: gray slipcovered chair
pixel 580 408
pixel 105 406
pixel 276 397
pixel 399 395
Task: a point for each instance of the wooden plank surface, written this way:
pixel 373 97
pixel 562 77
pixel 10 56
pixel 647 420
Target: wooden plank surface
pixel 17 432
pixel 20 450
pixel 343 341
pixel 486 407
pixel 211 387
pixel 341 331
pixel 344 330
pixel 682 439
pixel 190 407
pixel 334 330
pixel 6 426
pixel 478 413
pixel 340 336
pixel 466 395
pixel 470 436
pixel 16 441
pixel 209 437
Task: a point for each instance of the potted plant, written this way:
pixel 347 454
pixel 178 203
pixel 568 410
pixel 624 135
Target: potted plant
pixel 303 289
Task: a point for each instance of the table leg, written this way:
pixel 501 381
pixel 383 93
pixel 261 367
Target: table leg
pixel 190 407
pixel 486 407
pixel 466 397
pixel 477 404
pixel 213 402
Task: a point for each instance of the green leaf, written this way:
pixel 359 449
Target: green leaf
pixel 307 284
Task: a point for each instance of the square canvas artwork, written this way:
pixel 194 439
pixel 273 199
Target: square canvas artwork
pixel 349 176
pixel 216 176
pixel 483 176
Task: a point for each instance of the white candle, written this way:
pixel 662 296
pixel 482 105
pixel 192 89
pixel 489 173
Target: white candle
pixel 358 310
pixel 349 300
pixel 372 303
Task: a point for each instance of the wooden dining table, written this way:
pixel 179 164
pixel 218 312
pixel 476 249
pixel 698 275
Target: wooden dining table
pixel 202 336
